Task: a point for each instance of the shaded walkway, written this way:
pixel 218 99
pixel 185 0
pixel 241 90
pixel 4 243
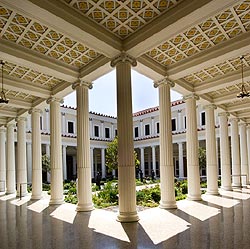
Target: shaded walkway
pixel 216 222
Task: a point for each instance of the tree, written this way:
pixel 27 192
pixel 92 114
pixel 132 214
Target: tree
pixel 112 156
pixel 202 157
pixel 45 163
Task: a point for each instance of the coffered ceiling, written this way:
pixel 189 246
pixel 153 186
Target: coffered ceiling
pixel 49 44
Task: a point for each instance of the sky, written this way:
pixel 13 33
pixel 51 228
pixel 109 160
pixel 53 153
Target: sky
pixel 102 97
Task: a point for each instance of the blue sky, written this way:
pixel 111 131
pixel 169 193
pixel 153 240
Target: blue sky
pixel 102 98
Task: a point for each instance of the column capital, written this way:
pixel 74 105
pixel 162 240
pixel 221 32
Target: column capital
pixel 209 106
pixel 83 83
pixel 243 124
pixel 54 99
pixel 9 125
pixel 191 96
pixel 35 110
pixel 123 57
pixel 234 120
pixel 179 111
pixel 164 81
pixel 21 119
pixel 2 129
pixel 224 114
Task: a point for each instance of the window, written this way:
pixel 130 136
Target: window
pixel 41 122
pixel 147 130
pixel 158 128
pixel 203 118
pixel 185 122
pixel 96 131
pixel 136 132
pixel 107 133
pixel 70 127
pixel 174 124
pixel 116 132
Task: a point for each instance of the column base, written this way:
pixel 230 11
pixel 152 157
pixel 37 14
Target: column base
pixel 84 207
pixel 10 192
pixel 36 197
pixel 212 192
pixel 194 197
pixel 127 217
pixel 23 194
pixel 236 185
pixel 56 201
pixel 229 188
pixel 168 205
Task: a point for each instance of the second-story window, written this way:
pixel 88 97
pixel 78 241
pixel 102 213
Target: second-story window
pixel 173 124
pixel 70 127
pixel 147 129
pixel 41 122
pixel 158 128
pixel 185 122
pixel 107 133
pixel 136 132
pixel 96 131
pixel 203 118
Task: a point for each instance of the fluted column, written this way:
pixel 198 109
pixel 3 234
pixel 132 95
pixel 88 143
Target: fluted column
pixel 3 159
pixel 180 121
pixel 64 128
pixel 126 161
pixel 36 155
pixel 47 152
pixel 64 161
pixel 166 146
pixel 10 162
pixel 181 165
pixel 29 162
pixel 193 171
pixel 248 150
pixel 92 162
pixel 226 183
pixel 103 162
pixel 83 146
pixel 236 171
pixel 153 158
pixel 142 161
pixel 212 166
pixel 243 153
pixel 152 126
pixel 56 174
pixel 21 156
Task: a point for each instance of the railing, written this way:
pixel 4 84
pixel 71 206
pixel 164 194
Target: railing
pixel 241 175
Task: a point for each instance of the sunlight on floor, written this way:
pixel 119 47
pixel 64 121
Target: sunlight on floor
pixel 19 202
pixel 39 205
pixel 197 210
pixel 220 201
pixel 165 224
pixel 235 195
pixel 7 197
pixel 65 212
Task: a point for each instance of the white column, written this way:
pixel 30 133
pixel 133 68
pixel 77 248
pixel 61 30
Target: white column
pixel 90 127
pixel 64 161
pixel 64 129
pixel 47 151
pixel 236 172
pixel 212 166
pixel 10 162
pixel 21 156
pixel 226 183
pixel 83 147
pixel 181 164
pixel 47 119
pixel 153 158
pixel 166 146
pixel 142 161
pixel 92 162
pixel 180 120
pixel 126 161
pixel 29 162
pixel 103 162
pixel 112 131
pixel 243 153
pixel 193 170
pixel 248 149
pixel 36 155
pixel 56 177
pixel 3 159
pixel 102 130
pixel 152 126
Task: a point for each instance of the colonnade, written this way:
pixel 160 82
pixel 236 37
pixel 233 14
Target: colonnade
pixel 126 169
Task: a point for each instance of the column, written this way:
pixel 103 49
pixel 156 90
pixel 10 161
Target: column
pixel 36 155
pixel 236 172
pixel 153 158
pixel 47 151
pixel 212 167
pixel 142 161
pixel 47 120
pixel 166 146
pixel 248 149
pixel 102 129
pixel 29 162
pixel 3 159
pixel 225 152
pixel 64 129
pixel 83 146
pixel 10 162
pixel 243 153
pixel 64 161
pixel 126 161
pixel 112 131
pixel 180 120
pixel 92 162
pixel 90 127
pixel 103 162
pixel 21 157
pixel 193 171
pixel 56 173
pixel 181 164
pixel 152 126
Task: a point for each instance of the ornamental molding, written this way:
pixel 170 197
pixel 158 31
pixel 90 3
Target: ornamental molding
pixel 234 120
pixel 224 114
pixel 82 83
pixel 164 81
pixel 21 119
pixel 123 58
pixel 209 106
pixel 35 110
pixel 54 99
pixel 191 96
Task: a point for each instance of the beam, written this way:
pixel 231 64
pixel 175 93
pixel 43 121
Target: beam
pixel 7 113
pixel 64 19
pixel 226 98
pixel 175 21
pixel 238 107
pixel 16 103
pixel 243 114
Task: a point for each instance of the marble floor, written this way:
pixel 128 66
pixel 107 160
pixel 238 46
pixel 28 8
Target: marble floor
pixel 215 222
